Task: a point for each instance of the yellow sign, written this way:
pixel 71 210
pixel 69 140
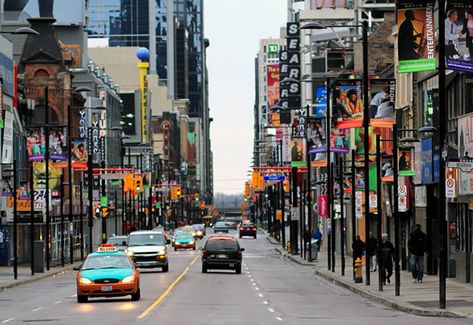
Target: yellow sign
pixel 128 180
pixel 143 68
pixel 278 214
pixel 247 189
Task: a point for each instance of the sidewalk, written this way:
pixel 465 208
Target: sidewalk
pixel 416 298
pixel 25 277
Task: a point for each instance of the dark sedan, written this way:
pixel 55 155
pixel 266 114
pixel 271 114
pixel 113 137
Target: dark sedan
pixel 221 226
pixel 248 230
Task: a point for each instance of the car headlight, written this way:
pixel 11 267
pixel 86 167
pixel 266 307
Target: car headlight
pixel 84 281
pixel 191 242
pixel 129 253
pixel 128 279
pixel 161 256
pixel 199 233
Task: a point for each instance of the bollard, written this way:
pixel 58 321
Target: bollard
pixel 358 271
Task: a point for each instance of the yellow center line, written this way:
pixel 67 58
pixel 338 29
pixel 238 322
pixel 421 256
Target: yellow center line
pixel 168 290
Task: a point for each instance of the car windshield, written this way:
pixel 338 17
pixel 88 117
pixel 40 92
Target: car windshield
pixel 184 235
pixel 117 241
pixel 221 244
pixel 221 224
pixel 107 262
pixel 155 239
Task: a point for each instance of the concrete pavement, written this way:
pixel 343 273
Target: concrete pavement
pixel 415 298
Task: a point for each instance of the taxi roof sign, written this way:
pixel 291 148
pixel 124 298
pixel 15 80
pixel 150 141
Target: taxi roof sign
pixel 107 248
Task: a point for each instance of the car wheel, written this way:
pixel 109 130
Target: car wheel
pixel 193 248
pixel 204 269
pixel 238 269
pixel 254 236
pixel 136 296
pixel 166 268
pixel 175 248
pixel 240 236
pixel 82 299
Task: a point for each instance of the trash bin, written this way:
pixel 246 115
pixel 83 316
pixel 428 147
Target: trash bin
pixel 39 256
pixel 314 248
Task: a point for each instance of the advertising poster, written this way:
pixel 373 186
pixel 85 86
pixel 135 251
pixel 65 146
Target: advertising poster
pixel 427 160
pixel 272 80
pixel 7 150
pixel 382 99
pixel 298 150
pixel 465 151
pixel 36 144
pixel 320 101
pixel 416 43
pixel 286 144
pixel 358 141
pixel 458 36
pixel 347 103
pixel 405 161
pixel 79 150
pixel 39 175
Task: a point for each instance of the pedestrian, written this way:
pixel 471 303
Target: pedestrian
pixel 387 254
pixel 306 241
pixel 358 246
pixel 417 246
pixel 371 246
pixel 318 237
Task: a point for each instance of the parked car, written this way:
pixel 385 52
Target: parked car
pixel 222 252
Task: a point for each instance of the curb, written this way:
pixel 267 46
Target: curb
pixel 407 308
pixel 292 258
pixel 18 283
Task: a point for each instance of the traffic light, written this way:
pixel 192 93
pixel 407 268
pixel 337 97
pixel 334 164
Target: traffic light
pixel 197 197
pixel 138 184
pixel 104 212
pixel 178 192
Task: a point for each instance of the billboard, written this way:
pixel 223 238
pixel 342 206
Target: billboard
pixel 416 43
pixel 347 103
pixel 39 176
pixel 272 80
pixel 36 144
pixel 458 37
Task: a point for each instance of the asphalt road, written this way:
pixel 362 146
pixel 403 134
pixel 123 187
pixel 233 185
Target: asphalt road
pixel 270 290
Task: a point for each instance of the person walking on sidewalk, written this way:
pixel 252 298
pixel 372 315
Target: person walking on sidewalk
pixel 417 246
pixel 387 253
pixel 371 246
pixel 318 237
pixel 358 246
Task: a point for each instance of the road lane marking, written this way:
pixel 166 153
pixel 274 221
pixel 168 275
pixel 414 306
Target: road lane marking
pixel 168 290
pixel 74 295
pixel 265 302
pixel 37 309
pixel 261 295
pixel 58 302
pixel 279 318
pixel 271 310
pixel 8 320
pixel 257 288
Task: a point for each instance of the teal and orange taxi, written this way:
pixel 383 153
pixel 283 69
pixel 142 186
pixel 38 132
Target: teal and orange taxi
pixel 108 273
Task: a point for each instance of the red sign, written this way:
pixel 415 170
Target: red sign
pixel 322 206
pixel 272 79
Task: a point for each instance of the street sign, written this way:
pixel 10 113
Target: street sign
pixel 450 188
pixel 104 201
pixel 274 178
pixel 465 166
pixel 373 201
pixel 294 214
pixel 402 203
pixel 358 204
pixel 402 190
pixel 116 176
pixel 322 206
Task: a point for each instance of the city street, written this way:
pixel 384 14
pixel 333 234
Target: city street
pixel 270 290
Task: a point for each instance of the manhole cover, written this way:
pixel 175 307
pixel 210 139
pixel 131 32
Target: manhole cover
pixel 435 303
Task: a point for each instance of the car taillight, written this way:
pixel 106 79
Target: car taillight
pixel 253 228
pixel 242 228
pixel 204 253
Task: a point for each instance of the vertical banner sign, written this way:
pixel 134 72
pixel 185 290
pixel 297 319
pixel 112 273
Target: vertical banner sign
pixel 382 98
pixel 293 65
pixel 95 137
pixel 7 150
pixel 286 145
pixel 465 151
pixel 458 36
pixel 272 82
pixel 322 206
pixel 320 100
pixel 285 116
pixel 358 204
pixel 416 43
pixel 82 124
pixel 347 103
pixel 1 104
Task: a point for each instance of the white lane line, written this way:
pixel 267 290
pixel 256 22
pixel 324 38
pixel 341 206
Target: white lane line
pixel 256 288
pixel 252 280
pixel 271 310
pixel 37 309
pixel 8 320
pixel 74 295
pixel 279 318
pixel 247 272
pixel 265 302
pixel 254 283
pixel 58 302
pixel 261 295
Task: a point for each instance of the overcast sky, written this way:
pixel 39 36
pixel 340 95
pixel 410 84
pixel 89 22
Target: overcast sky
pixel 234 29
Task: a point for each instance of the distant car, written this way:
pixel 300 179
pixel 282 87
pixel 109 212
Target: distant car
pixel 222 252
pixel 232 222
pixel 199 230
pixel 107 273
pixel 248 230
pixel 221 226
pixel 148 249
pixel 118 241
pixel 183 240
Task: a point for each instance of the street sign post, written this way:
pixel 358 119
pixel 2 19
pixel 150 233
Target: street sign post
pixel 450 188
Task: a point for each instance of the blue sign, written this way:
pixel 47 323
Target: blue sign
pixel 427 161
pixel 275 178
pixel 320 101
pixel 6 72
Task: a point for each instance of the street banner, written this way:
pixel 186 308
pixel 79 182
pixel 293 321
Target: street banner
pixel 320 100
pixel 272 84
pixel 36 144
pixel 23 202
pixel 39 175
pixel 293 64
pixel 465 151
pixel 2 108
pixel 358 204
pixel 286 144
pixel 7 150
pixel 416 43
pixel 316 135
pixel 347 103
pixel 79 150
pixel 458 37
pixel 322 206
pixel 298 153
pixel 283 90
pixel 405 164
pixel 382 102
